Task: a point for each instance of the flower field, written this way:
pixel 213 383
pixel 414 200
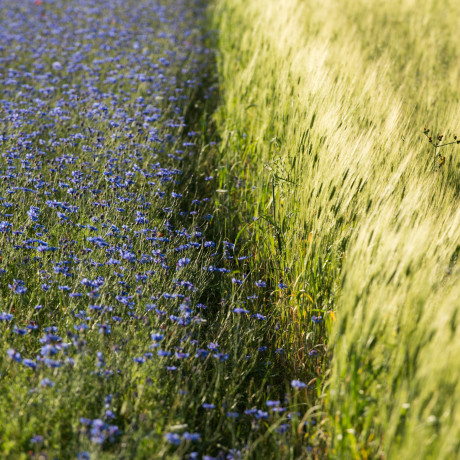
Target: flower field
pixel 131 327
pixel 229 229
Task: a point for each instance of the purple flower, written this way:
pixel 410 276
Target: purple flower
pixel 194 437
pixel 208 406
pixel 18 287
pixel 163 353
pixel 29 363
pixel 283 428
pixel 173 438
pixel 221 356
pixel 157 337
pixel 270 403
pixel 14 355
pixel 6 316
pixel 259 316
pixel 37 439
pixel 182 355
pixel 260 414
pixel 297 384
pixel 183 262
pixel 5 226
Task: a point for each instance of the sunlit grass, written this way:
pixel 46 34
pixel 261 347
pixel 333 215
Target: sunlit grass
pixel 323 110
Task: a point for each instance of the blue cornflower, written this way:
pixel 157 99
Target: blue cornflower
pixel 37 439
pixel 297 384
pixel 105 328
pixel 62 216
pixel 259 316
pixel 234 454
pixel 29 363
pixel 33 213
pixel 271 403
pixel 194 437
pixel 283 428
pixel 278 409
pixel 173 438
pixel 5 226
pixel 317 319
pixel 157 337
pixel 18 287
pixel 201 353
pixel 6 316
pixel 100 359
pixel 56 66
pixel 14 355
pixel 183 262
pixel 182 355
pixel 163 353
pixel 260 414
pixel 208 406
pixel 140 218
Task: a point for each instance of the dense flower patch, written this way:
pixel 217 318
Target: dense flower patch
pixel 126 324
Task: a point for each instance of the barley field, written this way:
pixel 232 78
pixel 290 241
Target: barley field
pixel 229 229
pixel 325 109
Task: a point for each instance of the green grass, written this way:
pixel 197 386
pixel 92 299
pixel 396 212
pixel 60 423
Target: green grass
pixel 323 110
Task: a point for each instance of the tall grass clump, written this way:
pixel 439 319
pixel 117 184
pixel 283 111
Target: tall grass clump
pixel 322 118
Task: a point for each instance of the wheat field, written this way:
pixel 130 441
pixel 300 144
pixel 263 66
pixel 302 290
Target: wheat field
pixel 324 106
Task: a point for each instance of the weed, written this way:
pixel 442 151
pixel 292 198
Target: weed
pixel 437 144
